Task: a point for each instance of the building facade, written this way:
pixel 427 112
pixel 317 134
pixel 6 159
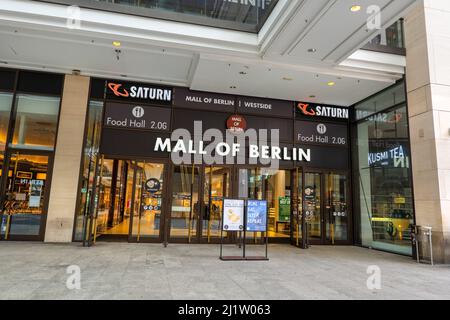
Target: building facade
pixel 127 138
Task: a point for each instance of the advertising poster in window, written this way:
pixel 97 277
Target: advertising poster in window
pixel 35 193
pixel 284 211
pixel 256 216
pixel 233 215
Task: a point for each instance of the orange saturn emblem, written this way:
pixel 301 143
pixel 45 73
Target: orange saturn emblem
pixel 114 87
pixel 306 111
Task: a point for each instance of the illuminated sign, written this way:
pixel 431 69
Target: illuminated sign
pixel 132 91
pixel 224 149
pixel 321 110
pixel 309 132
pixel 132 116
pixel 395 156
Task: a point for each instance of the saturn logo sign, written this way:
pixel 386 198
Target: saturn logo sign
pixel 115 88
pixel 138 112
pixel 306 109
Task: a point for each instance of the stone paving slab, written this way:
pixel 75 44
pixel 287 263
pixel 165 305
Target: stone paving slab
pixel 194 272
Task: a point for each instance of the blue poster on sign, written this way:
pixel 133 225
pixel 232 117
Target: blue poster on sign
pixel 256 216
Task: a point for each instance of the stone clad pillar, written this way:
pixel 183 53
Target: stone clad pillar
pixel 66 168
pixel 427 33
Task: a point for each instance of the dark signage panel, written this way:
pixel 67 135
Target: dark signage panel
pixel 185 119
pixel 133 116
pixel 185 98
pixel 138 92
pixel 130 143
pixel 216 120
pixel 315 111
pixel 308 132
pixel 284 126
pixel 328 157
pixel 264 107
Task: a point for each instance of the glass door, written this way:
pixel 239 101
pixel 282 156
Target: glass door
pixel 186 206
pixel 148 204
pixel 26 197
pixel 274 186
pixel 129 202
pixel 322 201
pixel 336 208
pixel 216 189
pixel 312 195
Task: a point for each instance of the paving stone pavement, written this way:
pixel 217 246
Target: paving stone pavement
pixel 194 272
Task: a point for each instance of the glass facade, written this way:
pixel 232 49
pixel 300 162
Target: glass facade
pixel 28 126
pixel 242 15
pixel 382 173
pixel 303 199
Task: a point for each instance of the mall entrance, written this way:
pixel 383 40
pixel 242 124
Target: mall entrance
pixel 321 208
pixel 128 202
pixel 151 201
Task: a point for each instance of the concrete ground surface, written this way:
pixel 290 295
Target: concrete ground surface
pixel 194 272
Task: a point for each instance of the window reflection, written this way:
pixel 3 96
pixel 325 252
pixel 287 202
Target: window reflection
pixel 386 200
pixel 36 122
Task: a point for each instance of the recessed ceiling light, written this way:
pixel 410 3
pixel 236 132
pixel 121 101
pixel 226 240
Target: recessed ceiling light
pixel 116 44
pixel 355 8
pixel 331 83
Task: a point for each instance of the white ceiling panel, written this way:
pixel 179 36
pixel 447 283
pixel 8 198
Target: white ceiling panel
pixel 281 83
pixel 95 56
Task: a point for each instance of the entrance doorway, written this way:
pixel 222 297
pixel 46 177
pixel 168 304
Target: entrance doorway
pixel 197 197
pixel 130 201
pixel 323 208
pixel 147 201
